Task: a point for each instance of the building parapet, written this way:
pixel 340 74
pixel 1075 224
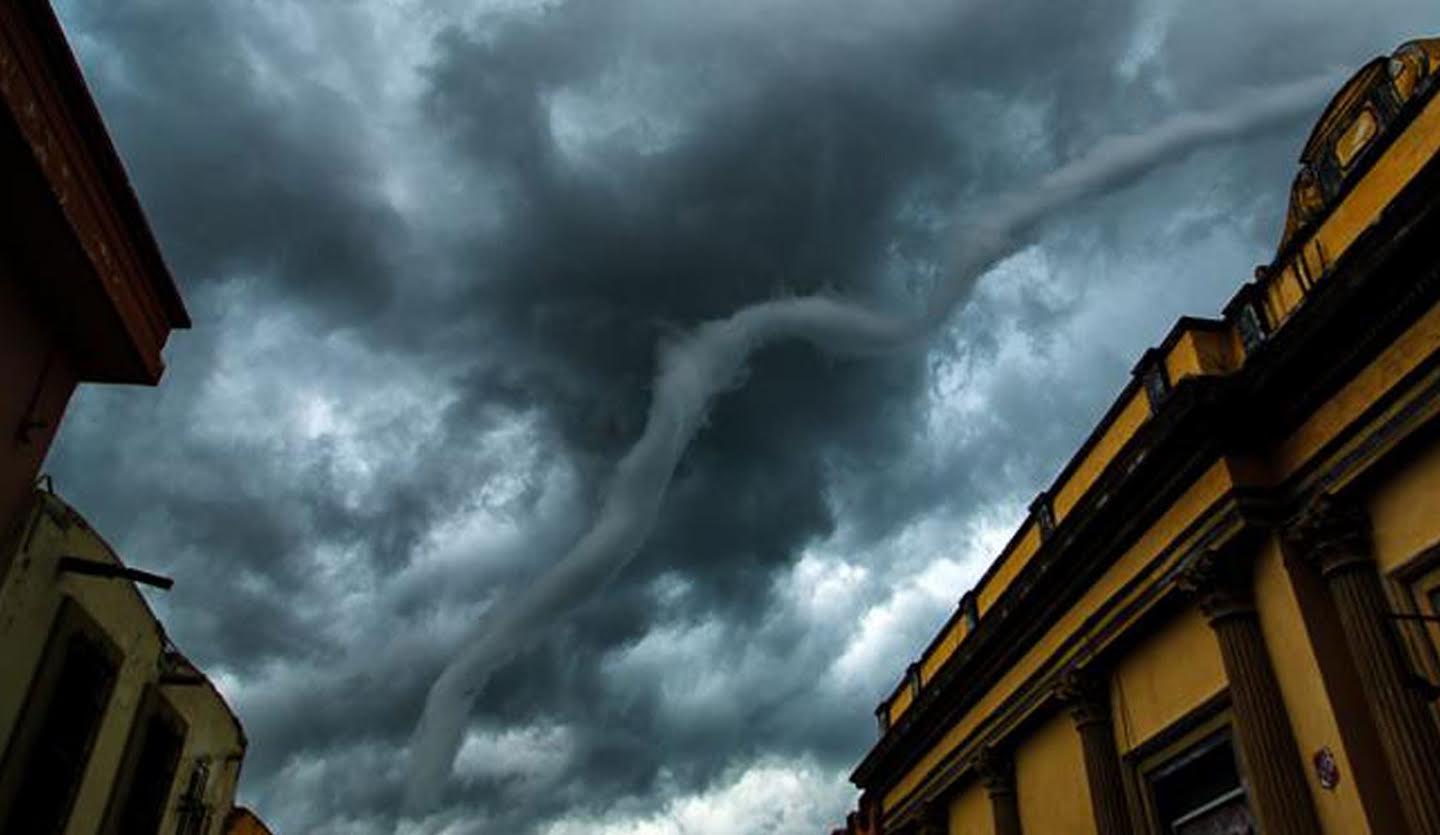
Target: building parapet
pixel 1388 108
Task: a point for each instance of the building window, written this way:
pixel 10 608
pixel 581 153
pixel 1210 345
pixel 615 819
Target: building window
pixel 1157 386
pixel 194 815
pixel 1044 513
pixel 912 679
pixel 1356 138
pixel 1199 791
pixel 50 749
pixel 151 758
pixel 1418 618
pixel 1252 328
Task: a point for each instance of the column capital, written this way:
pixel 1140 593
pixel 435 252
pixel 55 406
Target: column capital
pixel 1331 534
pixel 995 769
pixel 1220 586
pixel 933 818
pixel 1085 694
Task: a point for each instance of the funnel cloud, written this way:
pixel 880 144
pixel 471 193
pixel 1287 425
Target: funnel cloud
pixel 436 252
pixel 696 368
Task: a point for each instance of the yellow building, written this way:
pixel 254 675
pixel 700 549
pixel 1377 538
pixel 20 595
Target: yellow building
pixel 1224 615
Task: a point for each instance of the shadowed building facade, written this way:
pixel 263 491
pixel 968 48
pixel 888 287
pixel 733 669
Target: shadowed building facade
pixel 1224 615
pixel 105 727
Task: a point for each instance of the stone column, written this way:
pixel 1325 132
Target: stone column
pixel 997 773
pixel 1278 792
pixel 1088 699
pixel 1333 536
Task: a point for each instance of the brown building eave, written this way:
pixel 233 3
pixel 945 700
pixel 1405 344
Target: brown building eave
pixel 111 293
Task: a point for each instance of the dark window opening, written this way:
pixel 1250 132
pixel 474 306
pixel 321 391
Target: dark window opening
pixel 55 763
pixel 144 807
pixel 1200 792
pixel 1157 386
pixel 1252 329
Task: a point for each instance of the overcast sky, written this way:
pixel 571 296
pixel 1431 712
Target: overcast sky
pixel 430 249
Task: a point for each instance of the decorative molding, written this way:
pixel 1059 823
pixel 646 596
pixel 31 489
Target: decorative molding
pixel 995 768
pixel 1276 781
pixel 1220 523
pixel 1302 364
pixel 1221 586
pixel 1086 695
pixel 1331 534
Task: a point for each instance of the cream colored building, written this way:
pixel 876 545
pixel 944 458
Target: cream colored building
pixel 105 726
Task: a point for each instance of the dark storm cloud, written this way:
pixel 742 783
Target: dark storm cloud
pixel 431 252
pixel 248 169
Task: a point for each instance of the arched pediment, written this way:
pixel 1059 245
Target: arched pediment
pixel 1355 126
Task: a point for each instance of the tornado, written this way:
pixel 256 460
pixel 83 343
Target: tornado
pixel 694 369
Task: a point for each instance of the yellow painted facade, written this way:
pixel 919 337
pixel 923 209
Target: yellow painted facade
pixel 1200 496
pixel 1406 509
pixel 1133 414
pixel 1008 565
pixel 1043 772
pixel 1312 716
pixel 1150 691
pixel 969 812
pixel 41 602
pixel 1227 589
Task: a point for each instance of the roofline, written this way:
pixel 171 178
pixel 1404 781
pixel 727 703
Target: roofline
pixel 90 126
pixel 48 495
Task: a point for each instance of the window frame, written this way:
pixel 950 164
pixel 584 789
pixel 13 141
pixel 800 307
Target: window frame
pixel 1209 724
pixel 153 704
pixel 1414 589
pixel 70 621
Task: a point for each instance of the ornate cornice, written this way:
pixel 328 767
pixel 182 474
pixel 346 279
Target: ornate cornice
pixel 1331 534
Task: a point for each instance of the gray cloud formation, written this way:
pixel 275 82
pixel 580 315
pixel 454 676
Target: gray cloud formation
pixel 698 367
pixel 431 247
